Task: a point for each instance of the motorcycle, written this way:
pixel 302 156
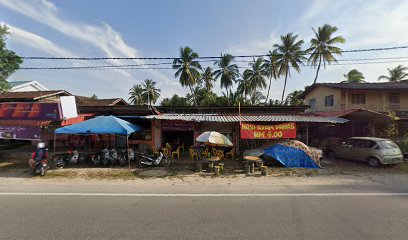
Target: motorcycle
pixel 152 160
pixel 105 157
pixel 38 160
pixel 71 158
pixel 124 156
pixel 41 167
pixel 113 155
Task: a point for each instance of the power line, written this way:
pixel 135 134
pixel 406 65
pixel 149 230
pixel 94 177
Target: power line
pixel 138 66
pixel 210 57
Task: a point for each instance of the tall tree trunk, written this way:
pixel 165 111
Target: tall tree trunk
pixel 284 86
pixel 269 88
pixel 318 68
pixel 194 96
pixel 226 89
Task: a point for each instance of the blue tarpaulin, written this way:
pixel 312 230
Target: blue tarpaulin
pixel 290 157
pixel 100 125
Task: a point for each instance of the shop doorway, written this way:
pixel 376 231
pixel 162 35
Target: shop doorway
pixel 177 138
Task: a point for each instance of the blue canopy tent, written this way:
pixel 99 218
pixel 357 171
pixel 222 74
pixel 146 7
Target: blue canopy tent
pixel 100 125
pixel 290 157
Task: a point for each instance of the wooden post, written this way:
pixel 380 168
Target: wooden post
pixel 127 145
pixel 54 145
pixel 263 170
pixel 217 170
pixel 307 134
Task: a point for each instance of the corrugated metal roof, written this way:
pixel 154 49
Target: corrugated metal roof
pixel 247 118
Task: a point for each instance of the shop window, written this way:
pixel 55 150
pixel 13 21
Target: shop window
pixel 394 98
pixel 329 101
pixel 312 103
pixel 358 98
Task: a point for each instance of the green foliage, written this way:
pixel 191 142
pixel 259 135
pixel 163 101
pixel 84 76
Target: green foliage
pixel 289 56
pixel 293 98
pixel 136 93
pixel 322 47
pixel 228 72
pixel 94 96
pixel 354 76
pixel 150 93
pixel 389 129
pixel 395 74
pixel 175 100
pixel 187 68
pixel 9 60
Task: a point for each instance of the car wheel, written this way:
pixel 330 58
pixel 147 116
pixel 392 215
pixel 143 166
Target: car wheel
pixel 374 162
pixel 331 154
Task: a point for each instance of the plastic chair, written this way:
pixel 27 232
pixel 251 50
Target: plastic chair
pixel 155 152
pixel 205 153
pixel 177 152
pixel 182 147
pixel 166 151
pixel 220 154
pixel 193 154
pixel 231 154
pixel 214 151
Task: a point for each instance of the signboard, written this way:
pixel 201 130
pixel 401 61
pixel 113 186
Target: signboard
pixel 282 130
pixel 30 111
pixel 20 132
pixel 177 126
pixel 68 107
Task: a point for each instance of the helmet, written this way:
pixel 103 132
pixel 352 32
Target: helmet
pixel 40 145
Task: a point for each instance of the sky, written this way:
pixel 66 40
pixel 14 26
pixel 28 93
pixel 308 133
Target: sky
pixel 158 28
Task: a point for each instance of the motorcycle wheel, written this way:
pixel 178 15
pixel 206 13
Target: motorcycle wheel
pixel 165 162
pixel 141 165
pixel 42 171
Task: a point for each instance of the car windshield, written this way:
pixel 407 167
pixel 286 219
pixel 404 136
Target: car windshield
pixel 388 144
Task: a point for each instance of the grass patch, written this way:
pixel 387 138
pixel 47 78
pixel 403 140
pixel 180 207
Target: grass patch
pixel 7 166
pixel 112 175
pixel 61 174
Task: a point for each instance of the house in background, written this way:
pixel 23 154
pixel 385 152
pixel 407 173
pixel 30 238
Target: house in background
pixel 87 101
pixel 379 97
pixel 366 105
pixel 25 86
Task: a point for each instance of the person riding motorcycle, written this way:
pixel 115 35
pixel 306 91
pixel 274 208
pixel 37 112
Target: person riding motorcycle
pixel 39 155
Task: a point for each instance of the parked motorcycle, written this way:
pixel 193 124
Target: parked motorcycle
pixel 113 155
pixel 105 157
pixel 70 158
pixel 152 160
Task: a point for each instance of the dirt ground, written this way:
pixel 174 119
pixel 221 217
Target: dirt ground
pixel 333 172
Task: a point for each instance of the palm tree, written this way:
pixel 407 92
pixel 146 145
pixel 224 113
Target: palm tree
pixel 271 68
pixel 135 93
pixel 150 92
pixel 294 98
pixel 257 98
pixel 322 47
pixel 290 55
pixel 208 78
pixel 245 86
pixel 256 75
pixel 187 68
pixel 228 72
pixel 353 76
pixel 395 74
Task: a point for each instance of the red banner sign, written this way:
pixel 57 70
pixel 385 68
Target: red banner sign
pixel 282 130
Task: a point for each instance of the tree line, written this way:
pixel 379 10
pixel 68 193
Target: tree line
pixel 281 62
pixel 285 58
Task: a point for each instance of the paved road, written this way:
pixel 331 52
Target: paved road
pixel 351 215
